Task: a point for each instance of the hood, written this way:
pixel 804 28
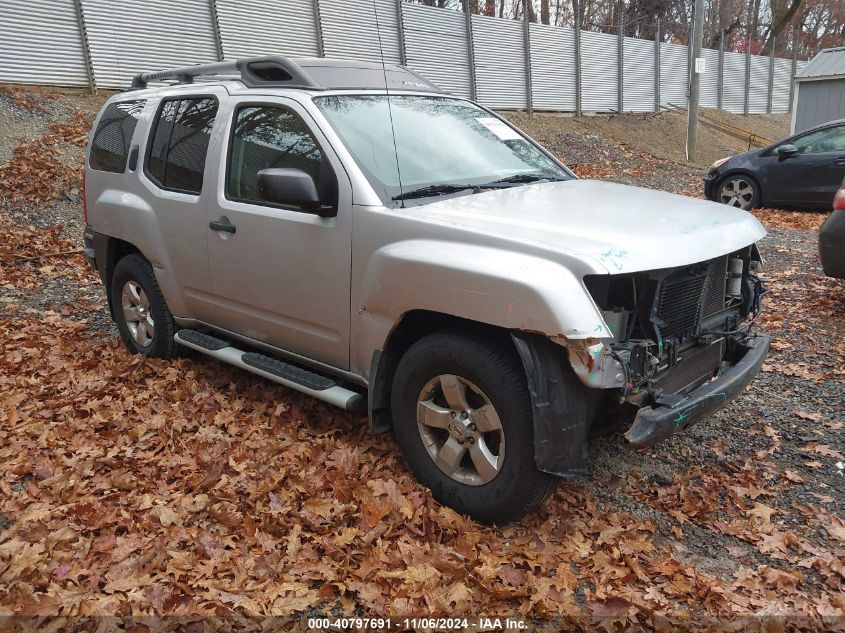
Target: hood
pixel 752 153
pixel 622 228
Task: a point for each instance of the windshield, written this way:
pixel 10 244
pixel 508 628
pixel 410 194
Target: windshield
pixel 444 146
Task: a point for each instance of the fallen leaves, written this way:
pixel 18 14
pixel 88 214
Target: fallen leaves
pixel 802 220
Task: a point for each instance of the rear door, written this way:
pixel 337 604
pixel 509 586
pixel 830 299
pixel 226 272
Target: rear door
pixel 280 275
pixel 812 176
pixel 175 187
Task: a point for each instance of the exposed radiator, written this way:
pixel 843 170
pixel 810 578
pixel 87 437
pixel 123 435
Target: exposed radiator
pixel 697 365
pixel 688 294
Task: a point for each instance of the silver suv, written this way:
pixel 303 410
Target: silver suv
pixel 351 232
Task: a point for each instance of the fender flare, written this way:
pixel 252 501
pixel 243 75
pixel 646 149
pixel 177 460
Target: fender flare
pixel 563 408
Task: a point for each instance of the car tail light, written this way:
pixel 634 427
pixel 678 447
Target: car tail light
pixel 839 200
pixel 84 202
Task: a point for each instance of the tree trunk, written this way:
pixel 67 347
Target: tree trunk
pixel 490 7
pixel 779 23
pixel 544 11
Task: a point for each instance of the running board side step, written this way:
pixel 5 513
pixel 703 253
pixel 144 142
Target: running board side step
pixel 291 376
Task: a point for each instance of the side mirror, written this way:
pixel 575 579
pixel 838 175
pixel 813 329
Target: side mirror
pixel 291 187
pixel 785 151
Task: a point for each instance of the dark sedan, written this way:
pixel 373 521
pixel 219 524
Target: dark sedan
pixel 832 238
pixel 802 171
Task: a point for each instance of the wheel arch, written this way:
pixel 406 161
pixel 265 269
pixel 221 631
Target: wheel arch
pixel 411 327
pixel 114 250
pixel 556 393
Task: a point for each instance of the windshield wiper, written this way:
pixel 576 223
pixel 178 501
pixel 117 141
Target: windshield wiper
pixel 519 179
pixel 438 190
pixel 443 189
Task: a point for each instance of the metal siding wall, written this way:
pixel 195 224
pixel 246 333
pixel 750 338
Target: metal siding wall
pixel 710 79
pixel 552 67
pixel 638 75
pixel 674 82
pixel 499 62
pixel 759 85
pixel 819 102
pixel 733 88
pixel 780 88
pixel 40 44
pixel 599 74
pixel 349 30
pixel 266 27
pixel 436 46
pixel 131 37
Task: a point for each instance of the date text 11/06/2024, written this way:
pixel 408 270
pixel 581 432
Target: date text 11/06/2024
pixel 455 624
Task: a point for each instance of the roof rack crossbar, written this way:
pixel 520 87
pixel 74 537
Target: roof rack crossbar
pixel 270 70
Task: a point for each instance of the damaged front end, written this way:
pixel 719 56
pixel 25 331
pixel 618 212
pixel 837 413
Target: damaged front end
pixel 682 342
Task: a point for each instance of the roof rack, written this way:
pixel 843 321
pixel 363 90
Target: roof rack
pixel 271 70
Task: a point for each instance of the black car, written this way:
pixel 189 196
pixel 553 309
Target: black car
pixel 802 171
pixel 832 238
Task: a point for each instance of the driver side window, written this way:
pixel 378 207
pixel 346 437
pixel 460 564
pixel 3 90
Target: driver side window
pixel 829 140
pixel 272 136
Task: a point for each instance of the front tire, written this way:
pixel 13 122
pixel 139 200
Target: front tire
pixel 739 190
pixel 140 312
pixel 462 417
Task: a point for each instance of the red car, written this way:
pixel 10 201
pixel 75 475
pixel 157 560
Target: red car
pixel 832 238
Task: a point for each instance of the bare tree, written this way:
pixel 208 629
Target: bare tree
pixel 783 14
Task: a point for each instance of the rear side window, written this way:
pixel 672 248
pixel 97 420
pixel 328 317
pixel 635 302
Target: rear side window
pixel 179 143
pixel 113 136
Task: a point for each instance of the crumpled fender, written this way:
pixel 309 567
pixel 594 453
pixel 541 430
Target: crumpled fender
pixel 488 285
pixel 563 408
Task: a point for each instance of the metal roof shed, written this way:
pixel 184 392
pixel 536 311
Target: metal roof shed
pixel 820 90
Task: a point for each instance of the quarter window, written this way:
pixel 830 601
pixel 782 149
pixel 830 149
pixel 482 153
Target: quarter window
pixel 179 144
pixel 269 136
pixel 110 147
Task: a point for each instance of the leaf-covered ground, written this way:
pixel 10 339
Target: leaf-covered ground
pixel 187 488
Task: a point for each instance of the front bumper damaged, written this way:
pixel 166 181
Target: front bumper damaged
pixel 654 424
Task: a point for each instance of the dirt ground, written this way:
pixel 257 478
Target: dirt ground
pixel 193 490
pixel 663 135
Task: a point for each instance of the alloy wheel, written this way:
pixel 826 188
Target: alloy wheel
pixel 136 313
pixel 461 430
pixel 737 192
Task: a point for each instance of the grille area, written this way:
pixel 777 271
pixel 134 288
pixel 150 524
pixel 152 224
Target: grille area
pixel 696 366
pixel 687 294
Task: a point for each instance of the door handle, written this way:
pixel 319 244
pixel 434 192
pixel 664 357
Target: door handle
pixel 226 227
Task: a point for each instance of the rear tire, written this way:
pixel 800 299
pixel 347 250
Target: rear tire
pixel 480 464
pixel 140 312
pixel 740 191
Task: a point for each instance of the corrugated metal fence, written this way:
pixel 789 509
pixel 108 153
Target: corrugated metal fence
pixel 499 62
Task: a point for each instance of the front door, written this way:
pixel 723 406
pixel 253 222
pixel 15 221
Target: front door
pixel 281 275
pixel 814 174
